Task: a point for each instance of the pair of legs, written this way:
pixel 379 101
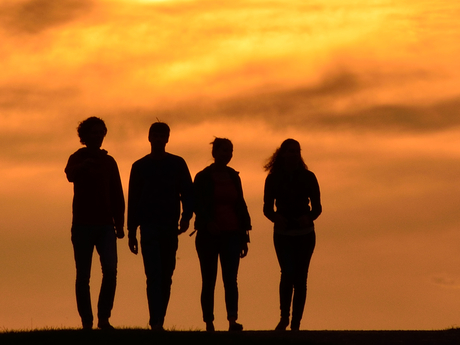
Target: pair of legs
pixel 159 255
pixel 210 248
pixel 294 254
pixel 84 239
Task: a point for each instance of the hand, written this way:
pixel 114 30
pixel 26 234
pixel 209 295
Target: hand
pixel 133 245
pixel 244 250
pixel 183 225
pixel 119 231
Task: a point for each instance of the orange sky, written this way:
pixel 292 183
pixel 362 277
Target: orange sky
pixel 371 89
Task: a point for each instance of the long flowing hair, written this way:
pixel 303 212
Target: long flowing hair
pixel 275 162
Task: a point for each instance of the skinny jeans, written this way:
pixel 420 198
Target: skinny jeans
pixel 210 248
pixel 294 254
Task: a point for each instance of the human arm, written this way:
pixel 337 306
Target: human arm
pixel 244 249
pixel 117 201
pixel 187 198
pixel 315 199
pixel 134 193
pixel 269 204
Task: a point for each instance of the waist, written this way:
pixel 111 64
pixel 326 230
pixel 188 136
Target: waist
pixel 295 231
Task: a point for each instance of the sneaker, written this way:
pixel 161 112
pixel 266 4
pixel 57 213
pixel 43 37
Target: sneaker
pixel 105 325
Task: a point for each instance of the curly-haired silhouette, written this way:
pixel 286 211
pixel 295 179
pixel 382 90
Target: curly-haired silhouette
pixel 294 190
pixel 159 183
pixel 98 217
pixel 222 223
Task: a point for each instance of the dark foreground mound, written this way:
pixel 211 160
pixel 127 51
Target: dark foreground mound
pixel 141 337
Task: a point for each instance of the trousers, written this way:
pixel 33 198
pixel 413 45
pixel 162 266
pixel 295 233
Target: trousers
pixel 84 239
pixel 159 255
pixel 227 247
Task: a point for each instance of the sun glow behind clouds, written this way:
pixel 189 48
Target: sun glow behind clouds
pixel 370 88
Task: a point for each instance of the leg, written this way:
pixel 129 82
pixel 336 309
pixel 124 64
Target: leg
pixel 159 257
pixel 208 255
pixel 168 259
pixel 83 246
pixel 230 260
pixel 285 260
pixel 106 246
pixel 303 249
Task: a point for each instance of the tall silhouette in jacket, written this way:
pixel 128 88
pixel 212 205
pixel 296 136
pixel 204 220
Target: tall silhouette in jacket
pixel 222 223
pixel 159 184
pixel 98 216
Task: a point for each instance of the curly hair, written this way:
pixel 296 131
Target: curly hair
pixel 85 126
pixel 275 162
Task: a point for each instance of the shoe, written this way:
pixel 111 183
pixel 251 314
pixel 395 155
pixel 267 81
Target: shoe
pixel 87 326
pixel 284 322
pixel 295 325
pixel 235 327
pixel 210 327
pixel 105 325
pixel 157 328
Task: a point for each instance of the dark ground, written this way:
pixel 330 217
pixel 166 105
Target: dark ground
pixel 142 336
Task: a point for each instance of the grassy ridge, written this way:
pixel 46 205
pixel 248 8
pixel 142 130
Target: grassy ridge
pixel 144 337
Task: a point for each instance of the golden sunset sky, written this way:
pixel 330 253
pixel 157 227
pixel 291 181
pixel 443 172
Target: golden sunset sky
pixel 371 89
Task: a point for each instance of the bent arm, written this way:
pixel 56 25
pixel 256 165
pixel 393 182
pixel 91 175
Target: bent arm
pixel 186 193
pixel 118 199
pixel 134 195
pixel 269 199
pixel 315 200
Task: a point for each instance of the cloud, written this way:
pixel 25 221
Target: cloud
pixel 35 16
pixel 446 281
pixel 32 96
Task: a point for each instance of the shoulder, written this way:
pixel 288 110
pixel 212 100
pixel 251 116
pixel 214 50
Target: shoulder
pixel 142 160
pixel 203 174
pixel 140 164
pixel 110 159
pixel 271 177
pixel 80 153
pixel 309 174
pixel 233 171
pixel 174 159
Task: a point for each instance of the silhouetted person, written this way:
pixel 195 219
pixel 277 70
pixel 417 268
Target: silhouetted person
pixel 98 217
pixel 159 182
pixel 222 223
pixel 294 190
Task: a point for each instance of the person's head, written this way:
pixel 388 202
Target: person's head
pixel 159 135
pixel 92 132
pixel 286 157
pixel 222 151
